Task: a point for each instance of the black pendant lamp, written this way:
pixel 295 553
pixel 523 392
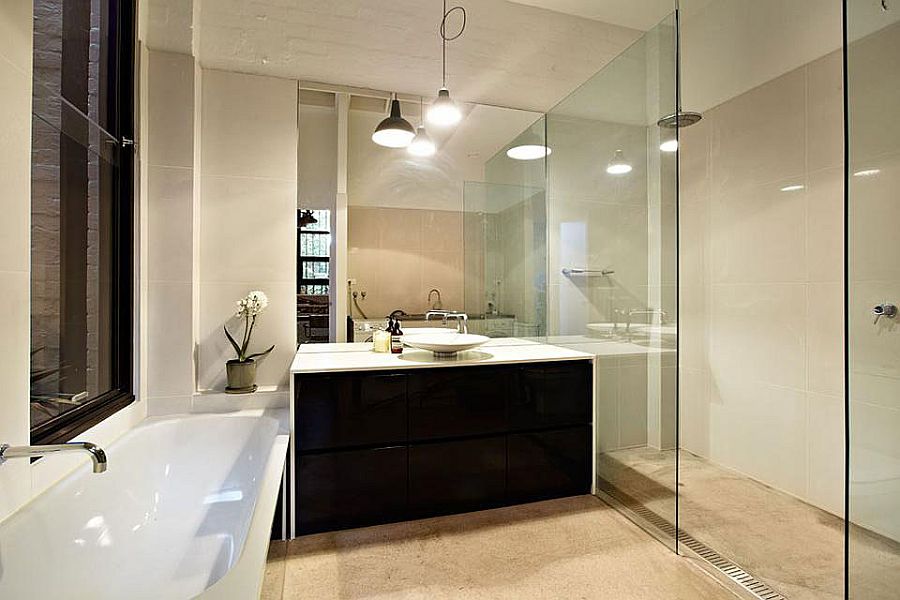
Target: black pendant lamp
pixel 394 131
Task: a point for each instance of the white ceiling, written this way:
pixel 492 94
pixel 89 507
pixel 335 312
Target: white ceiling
pixel 510 54
pixel 636 14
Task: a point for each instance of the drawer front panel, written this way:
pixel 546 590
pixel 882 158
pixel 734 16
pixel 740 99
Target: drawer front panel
pixel 552 396
pixel 455 402
pixel 449 477
pixel 549 464
pixel 339 490
pixel 350 410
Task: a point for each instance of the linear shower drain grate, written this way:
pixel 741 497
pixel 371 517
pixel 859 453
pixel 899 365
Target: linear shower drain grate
pixel 726 567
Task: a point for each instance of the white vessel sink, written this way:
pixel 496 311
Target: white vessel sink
pixel 444 345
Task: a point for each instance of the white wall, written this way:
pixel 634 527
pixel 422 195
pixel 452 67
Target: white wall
pixel 761 284
pixel 248 230
pixel 19 479
pixel 170 222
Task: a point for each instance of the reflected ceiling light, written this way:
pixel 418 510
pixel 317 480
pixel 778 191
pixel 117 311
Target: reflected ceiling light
pixel 422 144
pixel 394 131
pixel 669 146
pixel 444 111
pixel 529 151
pixel 618 165
pixel 867 173
pixel 792 188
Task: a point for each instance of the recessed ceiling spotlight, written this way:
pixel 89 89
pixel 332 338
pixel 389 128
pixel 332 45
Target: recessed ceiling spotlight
pixel 792 188
pixel 867 173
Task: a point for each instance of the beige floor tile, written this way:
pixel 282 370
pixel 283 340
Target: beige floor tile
pixel 794 547
pixel 273 580
pixel 560 549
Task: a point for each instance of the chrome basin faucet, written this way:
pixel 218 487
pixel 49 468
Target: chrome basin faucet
pixel 98 456
pixel 462 319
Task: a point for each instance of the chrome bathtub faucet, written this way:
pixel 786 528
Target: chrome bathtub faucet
pixel 98 456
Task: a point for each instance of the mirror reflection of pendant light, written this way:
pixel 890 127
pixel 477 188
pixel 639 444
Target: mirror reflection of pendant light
pixel 394 131
pixel 530 147
pixel 306 218
pixel 618 165
pixel 444 111
pixel 422 144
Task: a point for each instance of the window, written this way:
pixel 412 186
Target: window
pixel 81 209
pixel 313 270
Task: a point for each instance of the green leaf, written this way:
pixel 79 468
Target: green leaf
pixel 237 349
pixel 258 354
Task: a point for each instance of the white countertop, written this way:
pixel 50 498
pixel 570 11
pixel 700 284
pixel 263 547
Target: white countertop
pixel 326 358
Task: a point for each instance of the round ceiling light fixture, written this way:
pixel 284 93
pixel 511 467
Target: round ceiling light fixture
pixel 394 131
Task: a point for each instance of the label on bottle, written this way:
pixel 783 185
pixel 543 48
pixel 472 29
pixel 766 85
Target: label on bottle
pixel 396 344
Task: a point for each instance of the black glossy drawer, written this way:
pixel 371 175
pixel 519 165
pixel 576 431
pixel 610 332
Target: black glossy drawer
pixel 346 410
pixel 459 476
pixel 549 464
pixel 552 395
pixel 339 490
pixel 463 401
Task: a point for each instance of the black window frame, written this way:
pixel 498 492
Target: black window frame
pixel 121 110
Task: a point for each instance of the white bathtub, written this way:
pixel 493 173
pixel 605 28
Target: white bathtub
pixel 184 510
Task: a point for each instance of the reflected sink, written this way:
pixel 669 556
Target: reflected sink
pixel 426 330
pixel 444 345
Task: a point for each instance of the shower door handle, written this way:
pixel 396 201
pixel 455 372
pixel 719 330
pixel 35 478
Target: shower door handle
pixel 884 310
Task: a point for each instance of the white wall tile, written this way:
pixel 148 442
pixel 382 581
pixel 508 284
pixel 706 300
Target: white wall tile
pixel 14 368
pixel 826 452
pixel 249 126
pixel 757 234
pixel 15 165
pixel 15 34
pixel 824 332
pixel 760 430
pixel 170 223
pixel 756 334
pixel 170 328
pixel 247 229
pixel 171 109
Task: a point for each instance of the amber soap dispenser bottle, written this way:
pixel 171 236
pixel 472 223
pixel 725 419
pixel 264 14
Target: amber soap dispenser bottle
pixel 396 341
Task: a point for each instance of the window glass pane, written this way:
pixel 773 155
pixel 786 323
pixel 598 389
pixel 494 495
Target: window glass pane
pixel 323 221
pixel 314 290
pixel 314 270
pixel 315 244
pixel 75 162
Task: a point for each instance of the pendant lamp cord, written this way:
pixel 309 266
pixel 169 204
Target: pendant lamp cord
pixel 445 38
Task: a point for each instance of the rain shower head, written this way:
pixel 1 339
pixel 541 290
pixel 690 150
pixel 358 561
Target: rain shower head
pixel 684 119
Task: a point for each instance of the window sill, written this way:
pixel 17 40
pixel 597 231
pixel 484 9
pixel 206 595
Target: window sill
pixel 67 426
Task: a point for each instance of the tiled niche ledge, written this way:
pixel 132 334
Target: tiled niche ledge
pixel 214 401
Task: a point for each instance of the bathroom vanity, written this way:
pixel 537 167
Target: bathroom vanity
pixel 381 437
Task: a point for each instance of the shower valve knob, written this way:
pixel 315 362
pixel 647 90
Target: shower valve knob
pixel 884 310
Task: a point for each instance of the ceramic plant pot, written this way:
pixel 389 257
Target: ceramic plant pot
pixel 241 377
